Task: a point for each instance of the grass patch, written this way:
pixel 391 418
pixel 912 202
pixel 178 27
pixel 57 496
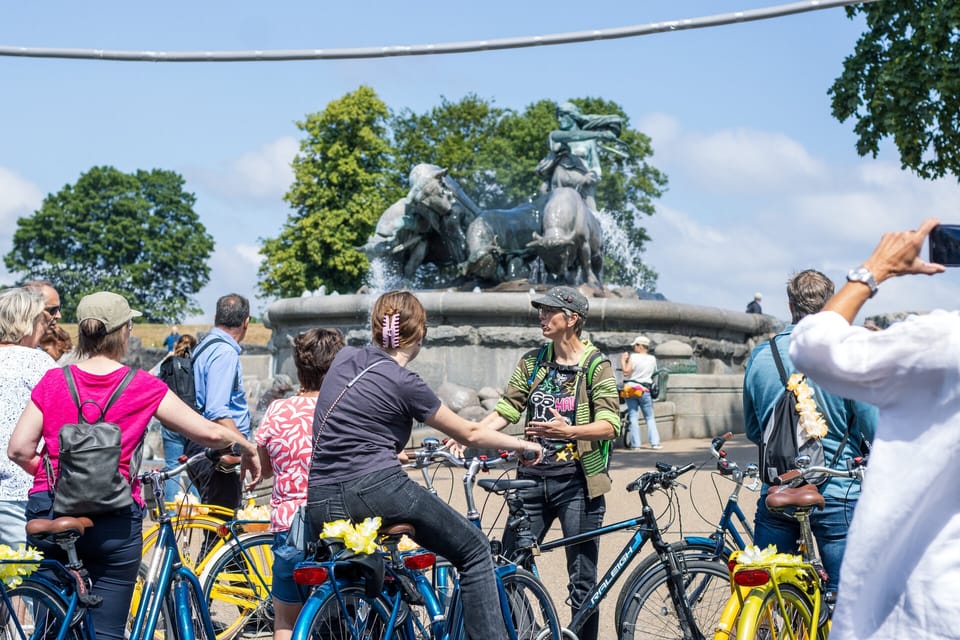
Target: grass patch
pixel 152 335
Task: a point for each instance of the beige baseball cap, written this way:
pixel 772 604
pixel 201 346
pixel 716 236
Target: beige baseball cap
pixel 111 309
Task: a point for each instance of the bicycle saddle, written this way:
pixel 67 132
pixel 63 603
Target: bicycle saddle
pixel 805 497
pixel 41 527
pixel 505 484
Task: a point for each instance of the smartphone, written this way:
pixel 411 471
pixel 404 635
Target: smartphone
pixel 945 245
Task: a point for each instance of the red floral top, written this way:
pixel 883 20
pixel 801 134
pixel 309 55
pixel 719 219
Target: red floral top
pixel 285 433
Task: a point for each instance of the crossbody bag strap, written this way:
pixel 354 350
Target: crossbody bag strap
pixel 323 421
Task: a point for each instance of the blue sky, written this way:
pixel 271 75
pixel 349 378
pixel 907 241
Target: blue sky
pixel 763 181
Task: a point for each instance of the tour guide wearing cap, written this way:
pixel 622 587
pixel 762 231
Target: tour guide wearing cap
pixel 109 308
pixel 564 298
pixel 569 393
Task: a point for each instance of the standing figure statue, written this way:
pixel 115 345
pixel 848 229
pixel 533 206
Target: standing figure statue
pixel 574 156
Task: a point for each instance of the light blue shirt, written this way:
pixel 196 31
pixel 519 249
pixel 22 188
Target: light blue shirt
pixel 219 381
pixel 762 388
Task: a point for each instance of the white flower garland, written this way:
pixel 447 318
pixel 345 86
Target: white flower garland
pixel 811 420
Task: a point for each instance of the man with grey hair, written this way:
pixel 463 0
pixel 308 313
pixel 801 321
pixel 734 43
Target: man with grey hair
pixel 221 398
pixel 51 302
pixel 849 424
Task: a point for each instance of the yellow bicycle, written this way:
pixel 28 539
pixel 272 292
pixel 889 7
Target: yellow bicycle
pixel 780 595
pixel 233 559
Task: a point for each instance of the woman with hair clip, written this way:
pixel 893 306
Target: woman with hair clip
pixel 284 443
pixel 112 552
pixel 360 429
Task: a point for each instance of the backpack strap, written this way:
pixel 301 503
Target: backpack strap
pixel 72 386
pixel 203 347
pixel 541 356
pixel 776 358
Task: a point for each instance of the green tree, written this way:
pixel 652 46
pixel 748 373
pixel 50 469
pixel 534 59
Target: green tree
pixel 455 135
pixel 903 81
pixel 342 183
pixel 134 234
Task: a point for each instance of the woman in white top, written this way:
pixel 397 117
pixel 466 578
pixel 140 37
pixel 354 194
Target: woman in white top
pixel 638 369
pixel 21 367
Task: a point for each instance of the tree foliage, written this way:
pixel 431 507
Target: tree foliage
pixel 342 183
pixel 903 81
pixel 134 234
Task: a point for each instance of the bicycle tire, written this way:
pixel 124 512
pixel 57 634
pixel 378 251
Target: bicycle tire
pixel 359 617
pixel 34 611
pixel 649 612
pixel 532 614
pixel 236 587
pixel 651 563
pixel 762 617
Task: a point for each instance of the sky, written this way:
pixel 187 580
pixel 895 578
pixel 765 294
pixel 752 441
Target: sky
pixel 763 181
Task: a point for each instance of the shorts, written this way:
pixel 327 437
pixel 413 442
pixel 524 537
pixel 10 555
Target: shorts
pixel 285 559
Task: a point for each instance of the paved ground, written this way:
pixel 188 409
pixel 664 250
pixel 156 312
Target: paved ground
pixel 701 507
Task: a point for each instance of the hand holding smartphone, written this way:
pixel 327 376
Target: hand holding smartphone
pixel 945 245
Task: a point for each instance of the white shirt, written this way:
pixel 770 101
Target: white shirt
pixel 20 370
pixel 642 367
pixel 901 570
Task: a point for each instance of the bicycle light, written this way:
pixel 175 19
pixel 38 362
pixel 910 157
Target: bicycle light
pixel 310 575
pixel 751 577
pixel 420 561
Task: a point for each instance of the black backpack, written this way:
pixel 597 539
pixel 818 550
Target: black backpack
pixel 782 440
pixel 177 373
pixel 88 479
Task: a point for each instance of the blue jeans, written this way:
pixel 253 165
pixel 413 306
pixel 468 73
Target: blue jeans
pixel 564 498
pixel 110 551
pixel 391 495
pixel 634 406
pixel 829 526
pixel 172 450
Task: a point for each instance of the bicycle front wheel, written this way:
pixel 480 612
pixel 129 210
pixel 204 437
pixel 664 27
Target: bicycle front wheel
pixel 532 614
pixel 34 611
pixel 236 585
pixel 763 617
pixel 357 617
pixel 649 611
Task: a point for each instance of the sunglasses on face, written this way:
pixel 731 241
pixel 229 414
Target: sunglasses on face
pixel 53 310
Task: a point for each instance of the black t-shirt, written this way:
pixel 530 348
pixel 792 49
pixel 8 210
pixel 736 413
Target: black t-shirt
pixel 557 391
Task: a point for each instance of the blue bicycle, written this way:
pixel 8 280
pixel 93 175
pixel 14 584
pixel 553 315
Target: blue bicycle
pixel 54 603
pixel 392 594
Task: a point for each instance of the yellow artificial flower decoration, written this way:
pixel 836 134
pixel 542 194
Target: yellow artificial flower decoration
pixel 811 420
pixel 360 538
pixel 12 573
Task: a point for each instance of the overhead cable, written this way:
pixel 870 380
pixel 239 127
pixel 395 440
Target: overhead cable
pixel 429 49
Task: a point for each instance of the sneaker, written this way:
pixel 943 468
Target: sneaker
pixel 656 446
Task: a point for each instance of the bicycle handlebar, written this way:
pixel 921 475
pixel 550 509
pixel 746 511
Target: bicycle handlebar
pixel 795 477
pixel 664 477
pixel 213 455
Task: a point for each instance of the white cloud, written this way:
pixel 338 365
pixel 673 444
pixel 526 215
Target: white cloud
pixel 18 197
pixel 746 209
pixel 263 174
